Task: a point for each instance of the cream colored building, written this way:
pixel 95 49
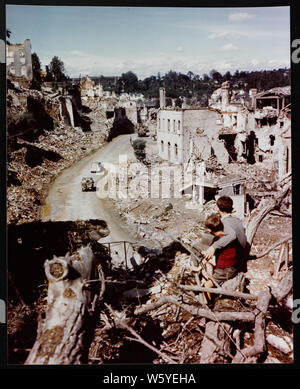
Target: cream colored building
pixel 180 132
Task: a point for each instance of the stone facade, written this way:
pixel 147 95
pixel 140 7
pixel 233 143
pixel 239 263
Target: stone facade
pixel 171 141
pixel 18 60
pixel 180 132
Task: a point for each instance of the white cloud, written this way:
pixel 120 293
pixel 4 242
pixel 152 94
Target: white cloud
pixel 239 16
pixel 94 65
pixel 227 34
pixel 179 49
pixel 228 47
pixel 217 35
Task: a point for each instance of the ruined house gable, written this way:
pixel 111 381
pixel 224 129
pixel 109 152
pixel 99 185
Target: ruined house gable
pixel 277 98
pixel 18 59
pixel 205 120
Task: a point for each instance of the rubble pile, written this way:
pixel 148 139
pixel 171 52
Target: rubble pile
pixel 174 331
pixel 34 163
pixel 97 113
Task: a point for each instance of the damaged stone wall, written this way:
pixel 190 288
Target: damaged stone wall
pixel 18 59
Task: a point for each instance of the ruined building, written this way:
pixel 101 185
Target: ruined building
pixel 186 132
pixel 258 129
pixel 19 64
pixel 237 126
pixel 89 89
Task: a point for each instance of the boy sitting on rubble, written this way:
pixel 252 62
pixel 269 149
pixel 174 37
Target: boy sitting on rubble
pixel 233 231
pixel 226 257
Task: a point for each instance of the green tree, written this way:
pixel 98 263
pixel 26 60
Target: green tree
pixel 128 82
pixel 216 76
pixel 57 69
pixel 139 146
pixel 205 77
pixel 36 68
pixel 227 76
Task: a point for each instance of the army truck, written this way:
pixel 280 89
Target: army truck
pixel 87 184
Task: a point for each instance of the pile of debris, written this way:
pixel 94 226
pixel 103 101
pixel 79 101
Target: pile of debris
pixel 154 313
pixel 37 157
pixel 162 320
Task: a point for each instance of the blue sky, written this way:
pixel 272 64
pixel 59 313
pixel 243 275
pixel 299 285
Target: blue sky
pixel 113 40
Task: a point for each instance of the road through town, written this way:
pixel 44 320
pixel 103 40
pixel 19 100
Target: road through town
pixel 66 200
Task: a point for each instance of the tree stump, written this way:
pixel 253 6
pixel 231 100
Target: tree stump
pixel 64 335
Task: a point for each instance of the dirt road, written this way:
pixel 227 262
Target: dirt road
pixel 66 201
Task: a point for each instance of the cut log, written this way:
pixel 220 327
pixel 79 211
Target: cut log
pixel 64 335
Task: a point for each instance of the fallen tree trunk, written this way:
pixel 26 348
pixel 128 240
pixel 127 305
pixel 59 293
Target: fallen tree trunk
pixel 207 313
pixel 264 207
pixel 64 335
pixel 259 330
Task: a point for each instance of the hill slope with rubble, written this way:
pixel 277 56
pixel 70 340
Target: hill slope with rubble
pixel 38 155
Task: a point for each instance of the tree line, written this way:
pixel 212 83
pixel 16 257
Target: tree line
pixel 192 85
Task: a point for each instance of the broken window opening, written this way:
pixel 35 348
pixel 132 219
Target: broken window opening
pixel 287 162
pixel 237 189
pixel 178 125
pixel 209 194
pixel 272 121
pixel 251 143
pixel 169 150
pixel 244 147
pixel 168 125
pixel 229 145
pixel 162 146
pixel 260 158
pixel 271 102
pixel 176 150
pixel 272 140
pixel 264 121
pixel 109 114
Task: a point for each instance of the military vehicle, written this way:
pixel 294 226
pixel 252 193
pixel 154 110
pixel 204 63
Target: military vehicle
pixel 87 184
pixel 96 167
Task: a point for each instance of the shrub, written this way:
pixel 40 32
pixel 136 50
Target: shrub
pixel 139 146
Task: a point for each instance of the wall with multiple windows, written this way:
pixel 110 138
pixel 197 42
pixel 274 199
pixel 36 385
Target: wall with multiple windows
pixel 170 139
pixel 176 127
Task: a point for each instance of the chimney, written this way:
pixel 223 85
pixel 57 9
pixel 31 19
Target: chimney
pixel 225 95
pixel 252 94
pixel 162 97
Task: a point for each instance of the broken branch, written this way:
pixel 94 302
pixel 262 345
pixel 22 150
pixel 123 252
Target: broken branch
pixel 215 316
pixel 273 247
